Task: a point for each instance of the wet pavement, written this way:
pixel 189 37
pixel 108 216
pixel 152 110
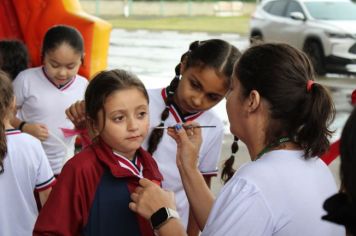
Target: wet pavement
pixel 153 55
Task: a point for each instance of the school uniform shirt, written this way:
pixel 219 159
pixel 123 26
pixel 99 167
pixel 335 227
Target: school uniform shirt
pixel 26 168
pixel 165 155
pixel 92 195
pixel 40 101
pixel 279 194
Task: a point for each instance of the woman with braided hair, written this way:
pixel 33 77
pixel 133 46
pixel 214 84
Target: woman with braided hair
pixel 202 79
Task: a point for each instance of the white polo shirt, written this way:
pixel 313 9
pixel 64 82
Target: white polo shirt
pixel 40 101
pixel 280 194
pixel 165 155
pixel 26 168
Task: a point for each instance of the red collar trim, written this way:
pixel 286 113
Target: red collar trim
pixel 174 110
pixel 136 169
pixel 120 167
pixel 12 131
pixel 63 87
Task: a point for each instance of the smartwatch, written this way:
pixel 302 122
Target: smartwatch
pixel 161 216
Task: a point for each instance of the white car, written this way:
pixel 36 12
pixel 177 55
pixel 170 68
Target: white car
pixel 324 29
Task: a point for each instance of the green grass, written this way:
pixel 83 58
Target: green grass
pixel 198 23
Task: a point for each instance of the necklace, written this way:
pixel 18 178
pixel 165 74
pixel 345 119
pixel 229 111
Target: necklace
pixel 272 145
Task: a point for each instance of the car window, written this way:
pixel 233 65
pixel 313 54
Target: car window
pixel 267 6
pixel 293 7
pixel 277 8
pixel 332 10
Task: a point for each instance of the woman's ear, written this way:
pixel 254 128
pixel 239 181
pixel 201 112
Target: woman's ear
pixel 254 101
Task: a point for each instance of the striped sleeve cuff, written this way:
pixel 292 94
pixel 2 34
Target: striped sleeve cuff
pixel 45 185
pixel 210 173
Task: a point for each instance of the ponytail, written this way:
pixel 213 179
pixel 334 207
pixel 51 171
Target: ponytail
pixel 319 112
pixel 228 171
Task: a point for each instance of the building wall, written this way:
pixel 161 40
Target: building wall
pixel 162 8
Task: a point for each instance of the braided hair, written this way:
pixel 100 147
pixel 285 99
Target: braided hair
pixel 214 53
pixel 228 171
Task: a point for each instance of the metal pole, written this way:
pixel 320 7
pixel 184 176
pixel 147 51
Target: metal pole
pixel 189 7
pixel 130 7
pixel 161 7
pixel 97 6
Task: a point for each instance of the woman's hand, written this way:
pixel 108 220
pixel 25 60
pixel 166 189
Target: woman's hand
pixel 39 131
pixel 149 198
pixel 188 144
pixel 76 113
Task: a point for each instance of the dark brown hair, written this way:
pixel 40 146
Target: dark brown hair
pixel 59 34
pixel 280 73
pixel 14 57
pixel 213 53
pixel 6 99
pixel 348 157
pixel 103 85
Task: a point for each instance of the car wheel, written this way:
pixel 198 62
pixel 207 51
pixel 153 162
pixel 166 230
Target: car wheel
pixel 316 55
pixel 256 37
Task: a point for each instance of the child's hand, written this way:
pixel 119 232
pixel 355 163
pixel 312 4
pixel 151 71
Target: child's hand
pixel 76 113
pixel 188 144
pixel 39 131
pixel 149 197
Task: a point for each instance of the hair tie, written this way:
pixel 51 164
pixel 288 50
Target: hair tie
pixel 310 85
pixel 353 97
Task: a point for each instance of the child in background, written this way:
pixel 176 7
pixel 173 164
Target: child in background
pixel 203 77
pixel 23 168
pixel 43 93
pixel 93 193
pixel 13 57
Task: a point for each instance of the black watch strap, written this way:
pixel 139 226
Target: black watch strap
pixel 161 216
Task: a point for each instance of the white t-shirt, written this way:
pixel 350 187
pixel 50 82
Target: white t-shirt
pixel 40 101
pixel 26 168
pixel 165 155
pixel 279 194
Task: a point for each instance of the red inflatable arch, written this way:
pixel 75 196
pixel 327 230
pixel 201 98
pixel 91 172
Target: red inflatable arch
pixel 28 20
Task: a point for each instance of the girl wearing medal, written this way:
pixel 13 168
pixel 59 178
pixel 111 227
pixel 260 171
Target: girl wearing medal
pixel 282 116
